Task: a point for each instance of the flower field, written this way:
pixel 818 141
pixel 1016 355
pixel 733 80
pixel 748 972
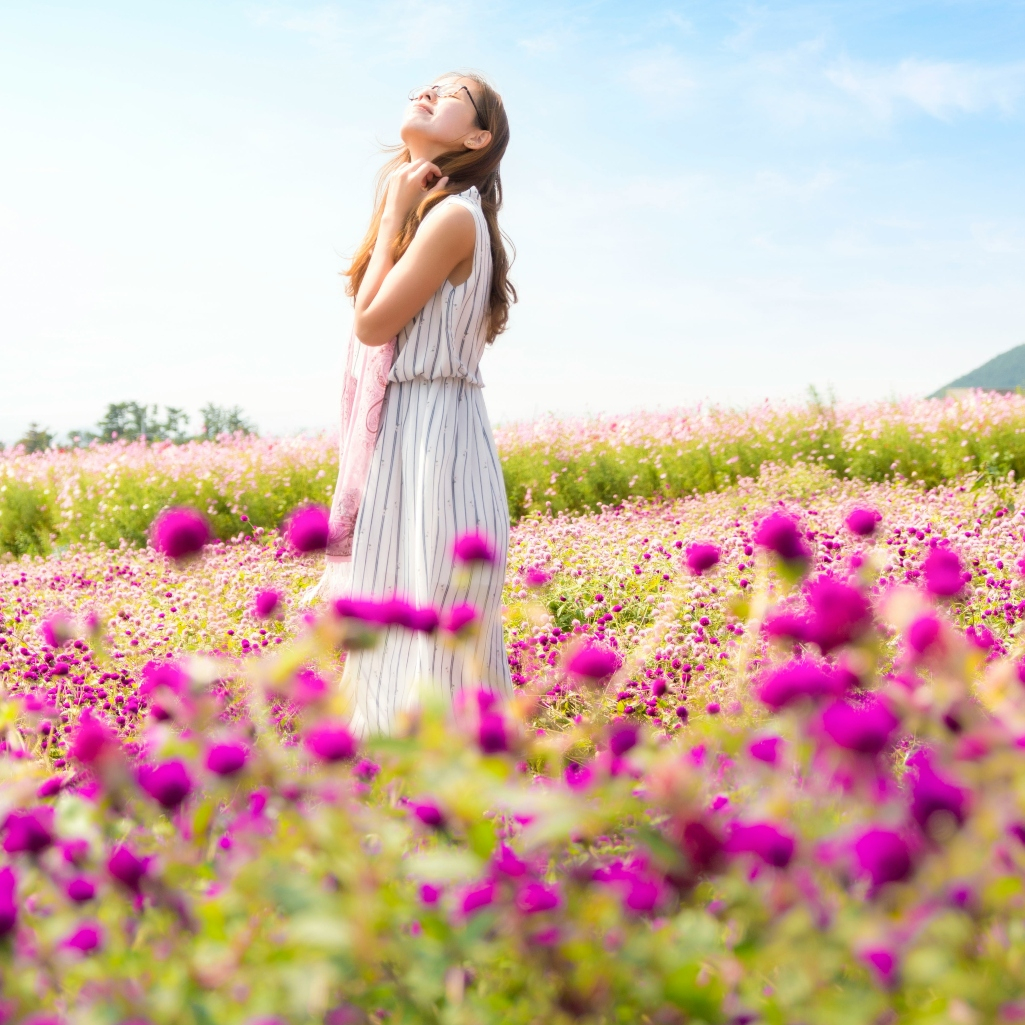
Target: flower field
pixel 764 761
pixel 106 493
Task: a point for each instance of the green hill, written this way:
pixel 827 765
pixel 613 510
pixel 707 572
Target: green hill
pixel 1005 372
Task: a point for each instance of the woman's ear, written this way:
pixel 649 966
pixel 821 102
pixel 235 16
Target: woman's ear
pixel 477 140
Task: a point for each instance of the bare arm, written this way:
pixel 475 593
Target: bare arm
pixel 392 294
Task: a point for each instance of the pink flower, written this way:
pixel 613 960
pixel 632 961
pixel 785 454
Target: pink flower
pixel 593 662
pixel 85 939
pixel 932 794
pixel 883 963
pixel 28 832
pixel 91 739
pixel 623 738
pixel 863 521
pixel 766 749
pixel 943 574
pixel 126 868
pixel 797 680
pixel 8 904
pixel 428 813
pixel 780 534
pixel 266 602
pixel 429 894
pixel 866 727
pixel 507 863
pixel 762 839
pixel 473 547
pixel 179 533
pixel 536 577
pixel 476 897
pixel 459 618
pixel 331 742
pixel 923 633
pixel 227 758
pixel 492 734
pixel 642 895
pixel 306 529
pixel 883 855
pixel 80 889
pixel 840 613
pixel 701 557
pixel 57 629
pixel 168 783
pixel 533 898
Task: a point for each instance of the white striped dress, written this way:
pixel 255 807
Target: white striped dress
pixel 435 474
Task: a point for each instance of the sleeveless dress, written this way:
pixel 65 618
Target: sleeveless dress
pixel 434 474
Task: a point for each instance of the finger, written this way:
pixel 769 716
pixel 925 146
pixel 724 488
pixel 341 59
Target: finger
pixel 439 184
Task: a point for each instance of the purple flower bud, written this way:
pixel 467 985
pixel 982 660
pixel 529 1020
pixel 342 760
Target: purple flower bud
pixel 840 613
pixel 168 783
pixel 179 533
pixel 266 602
pixel 507 863
pixel 85 939
pixel 865 728
pixel 331 742
pixel 766 749
pixel 491 733
pixel 8 904
pixel 476 897
pixel 80 889
pixel 797 680
pixel 533 898
pixel 459 618
pixel 577 776
pixel 536 577
pixel 883 855
pixel 863 521
pixel 780 534
pixel 428 813
pixel 306 529
pixel 883 963
pixel 91 739
pixel 57 629
pixel 594 663
pixel 227 758
pixel 790 625
pixel 126 868
pixel 622 738
pixel 923 633
pixel 473 547
pixel 163 674
pixel 308 688
pixel 701 557
pixel 943 575
pixel 763 840
pixel 28 832
pixel 429 894
pixel 932 794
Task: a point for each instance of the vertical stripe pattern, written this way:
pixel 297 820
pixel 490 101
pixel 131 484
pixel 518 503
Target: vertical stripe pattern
pixel 435 475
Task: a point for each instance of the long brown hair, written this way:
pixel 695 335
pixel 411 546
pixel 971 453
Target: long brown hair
pixel 479 167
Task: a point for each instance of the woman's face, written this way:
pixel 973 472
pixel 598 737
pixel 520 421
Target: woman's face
pixel 440 124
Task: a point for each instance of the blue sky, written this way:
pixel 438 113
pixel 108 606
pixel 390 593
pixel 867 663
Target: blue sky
pixel 710 201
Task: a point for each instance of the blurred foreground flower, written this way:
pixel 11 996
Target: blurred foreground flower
pixel 306 529
pixel 179 533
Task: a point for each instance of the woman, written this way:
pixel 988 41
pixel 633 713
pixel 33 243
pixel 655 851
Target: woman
pixel 418 465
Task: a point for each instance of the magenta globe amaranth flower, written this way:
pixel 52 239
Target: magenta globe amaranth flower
pixel 593 662
pixel 459 618
pixel 839 614
pixel 492 734
pixel 227 758
pixel 762 839
pixel 266 602
pixel 923 633
pixel 863 522
pixel 476 897
pixel 701 557
pixel 331 742
pixel 933 795
pixel 91 740
pixel 306 529
pixel 866 728
pixel 179 533
pixel 780 533
pixel 623 738
pixel 85 939
pixel 57 629
pixel 797 680
pixel 80 889
pixel 944 576
pixel 883 855
pixel 8 903
pixel 28 832
pixel 429 813
pixel 168 783
pixel 473 547
pixel 533 898
pixel 766 749
pixel 127 868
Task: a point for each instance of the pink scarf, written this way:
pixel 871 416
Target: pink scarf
pixel 363 387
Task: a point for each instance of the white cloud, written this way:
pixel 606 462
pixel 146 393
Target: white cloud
pixel 659 76
pixel 942 89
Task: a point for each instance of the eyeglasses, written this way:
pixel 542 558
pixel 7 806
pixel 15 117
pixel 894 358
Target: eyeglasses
pixel 443 91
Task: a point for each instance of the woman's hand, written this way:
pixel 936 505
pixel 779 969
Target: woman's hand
pixel 407 187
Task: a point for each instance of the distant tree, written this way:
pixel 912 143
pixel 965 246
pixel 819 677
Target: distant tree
pixel 36 438
pixel 130 421
pixel 221 420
